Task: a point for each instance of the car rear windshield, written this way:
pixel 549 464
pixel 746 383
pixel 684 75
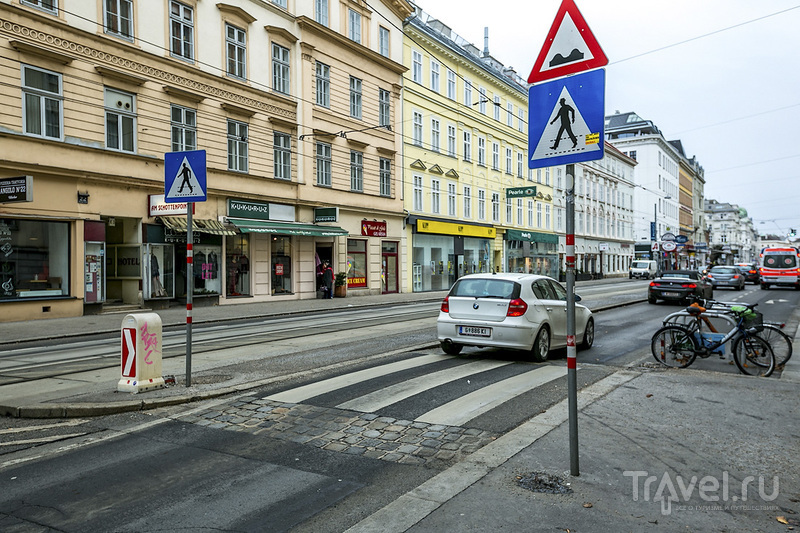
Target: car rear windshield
pixel 780 261
pixel 640 264
pixel 486 288
pixel 723 270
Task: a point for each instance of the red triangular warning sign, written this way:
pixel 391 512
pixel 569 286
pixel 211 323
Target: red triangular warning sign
pixel 570 47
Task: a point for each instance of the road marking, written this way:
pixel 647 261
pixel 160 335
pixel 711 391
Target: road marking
pixel 462 410
pixel 305 392
pixel 76 422
pixel 42 440
pixel 369 403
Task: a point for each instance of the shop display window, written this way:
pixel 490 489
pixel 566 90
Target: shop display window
pixel 281 264
pixel 34 259
pixel 206 266
pixel 159 278
pixel 237 265
pixel 356 263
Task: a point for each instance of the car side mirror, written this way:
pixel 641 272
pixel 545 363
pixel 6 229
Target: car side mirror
pixel 578 298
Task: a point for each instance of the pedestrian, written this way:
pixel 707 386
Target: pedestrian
pixel 327 279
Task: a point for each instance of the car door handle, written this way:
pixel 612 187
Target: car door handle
pixel 549 309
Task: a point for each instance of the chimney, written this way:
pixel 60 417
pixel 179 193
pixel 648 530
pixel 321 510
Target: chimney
pixel 486 41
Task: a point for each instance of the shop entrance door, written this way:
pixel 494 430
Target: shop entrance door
pixel 389 267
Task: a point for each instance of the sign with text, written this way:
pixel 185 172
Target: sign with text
pixel 519 192
pixel 159 207
pixel 247 209
pixel 18 189
pixel 326 214
pixel 373 228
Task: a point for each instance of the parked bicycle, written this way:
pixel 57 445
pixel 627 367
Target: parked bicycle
pixel 678 345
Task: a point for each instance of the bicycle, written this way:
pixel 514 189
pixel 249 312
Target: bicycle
pixel 678 345
pixel 772 332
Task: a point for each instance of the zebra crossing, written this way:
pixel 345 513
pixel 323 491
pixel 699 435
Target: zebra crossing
pixel 414 411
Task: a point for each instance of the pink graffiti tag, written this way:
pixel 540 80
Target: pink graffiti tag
pixel 150 340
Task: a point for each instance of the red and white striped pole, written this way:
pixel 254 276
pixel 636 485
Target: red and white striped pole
pixel 572 356
pixel 189 290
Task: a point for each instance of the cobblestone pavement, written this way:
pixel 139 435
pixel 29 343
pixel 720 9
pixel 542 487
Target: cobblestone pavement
pixel 339 430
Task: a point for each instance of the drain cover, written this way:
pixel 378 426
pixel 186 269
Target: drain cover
pixel 542 482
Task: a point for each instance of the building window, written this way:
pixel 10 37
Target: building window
pixel 354 26
pixel 481 204
pixel 281 3
pixel 417 128
pixel 495 207
pixel 559 182
pixel 119 18
pixel 519 212
pixel 237 146
pixel 324 162
pixel 357 261
pixel 467 202
pixel 280 68
pixel 321 12
pixel 539 214
pixel 519 164
pixel 282 146
pixel 559 219
pixel 235 47
pixel 468 93
pixel 435 195
pixel 530 213
pixel 467 146
pixel 120 121
pixel 481 151
pixel 451 140
pixel 41 95
pixel 355 97
pixel 495 156
pixel 497 108
pixel 510 114
pixel 184 128
pixel 520 120
pixel 417 193
pixel 416 66
pixel 383 41
pixel 323 82
pixel 181 24
pixel 385 176
pixel 435 133
pixel 384 107
pixel 509 161
pixel 538 175
pixel 451 84
pixel 280 257
pixel 451 199
pixel 435 76
pixel 356 171
pixel 482 100
pixel 509 212
pixel 50 6
pixel 35 259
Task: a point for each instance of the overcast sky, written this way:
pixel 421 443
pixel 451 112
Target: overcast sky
pixel 732 97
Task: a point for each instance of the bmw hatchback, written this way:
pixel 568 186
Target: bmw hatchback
pixel 516 311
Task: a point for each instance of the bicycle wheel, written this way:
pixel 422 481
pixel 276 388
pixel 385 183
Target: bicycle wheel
pixel 779 341
pixel 674 346
pixel 753 356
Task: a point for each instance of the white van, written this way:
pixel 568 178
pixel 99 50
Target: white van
pixel 642 269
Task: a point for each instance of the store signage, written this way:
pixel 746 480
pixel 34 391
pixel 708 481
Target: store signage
pixel 668 246
pixel 18 189
pixel 159 207
pixel 450 228
pixel 373 228
pixel 519 192
pixel 603 246
pixel 326 214
pixel 681 239
pixel 668 236
pixel 247 209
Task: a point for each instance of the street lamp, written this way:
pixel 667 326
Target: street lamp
pixel 654 232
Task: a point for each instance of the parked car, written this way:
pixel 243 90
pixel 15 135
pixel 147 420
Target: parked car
pixel 726 276
pixel 642 269
pixel 510 310
pixel 679 286
pixel 750 272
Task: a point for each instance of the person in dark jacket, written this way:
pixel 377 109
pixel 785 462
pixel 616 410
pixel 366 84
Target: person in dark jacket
pixel 327 279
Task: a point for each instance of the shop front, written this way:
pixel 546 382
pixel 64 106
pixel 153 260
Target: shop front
pixel 443 251
pixel 531 252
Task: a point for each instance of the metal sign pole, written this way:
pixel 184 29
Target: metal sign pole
pixel 572 359
pixel 189 290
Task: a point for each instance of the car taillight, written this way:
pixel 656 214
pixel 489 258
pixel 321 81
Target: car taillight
pixel 654 284
pixel 689 285
pixel 517 307
pixel 752 272
pixel 710 276
pixel 445 305
pixel 736 276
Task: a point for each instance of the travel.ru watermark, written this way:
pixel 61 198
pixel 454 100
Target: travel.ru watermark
pixel 718 491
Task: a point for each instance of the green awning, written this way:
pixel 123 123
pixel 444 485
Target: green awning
pixel 286 228
pixel 530 236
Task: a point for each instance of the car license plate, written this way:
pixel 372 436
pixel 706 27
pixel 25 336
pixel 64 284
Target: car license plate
pixel 670 294
pixel 472 331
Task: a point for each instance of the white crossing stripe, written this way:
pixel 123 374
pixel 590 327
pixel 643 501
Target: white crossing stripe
pixel 369 403
pixel 462 410
pixel 322 387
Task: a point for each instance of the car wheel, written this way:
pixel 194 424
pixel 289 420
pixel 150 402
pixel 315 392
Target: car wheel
pixel 764 286
pixel 541 346
pixel 450 348
pixel 588 335
pixel 651 300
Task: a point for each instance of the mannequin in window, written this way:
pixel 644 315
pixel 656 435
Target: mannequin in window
pixel 157 289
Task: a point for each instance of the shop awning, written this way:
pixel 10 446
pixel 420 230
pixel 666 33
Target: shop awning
pixel 202 225
pixel 286 228
pixel 530 236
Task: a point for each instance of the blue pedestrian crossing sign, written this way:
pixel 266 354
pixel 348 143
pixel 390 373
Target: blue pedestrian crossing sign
pixel 566 119
pixel 185 176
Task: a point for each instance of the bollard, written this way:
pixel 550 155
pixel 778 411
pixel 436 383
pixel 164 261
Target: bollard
pixel 141 353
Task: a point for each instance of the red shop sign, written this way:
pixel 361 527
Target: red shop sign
pixel 373 229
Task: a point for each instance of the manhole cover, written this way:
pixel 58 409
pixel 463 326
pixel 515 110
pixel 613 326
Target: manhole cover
pixel 542 482
pixel 652 367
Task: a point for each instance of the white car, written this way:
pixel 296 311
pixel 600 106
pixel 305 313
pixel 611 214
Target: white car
pixel 516 311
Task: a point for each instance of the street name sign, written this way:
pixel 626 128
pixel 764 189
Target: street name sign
pixel 566 120
pixel 570 47
pixel 185 176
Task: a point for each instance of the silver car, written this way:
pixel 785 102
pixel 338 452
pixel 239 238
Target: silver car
pixel 726 276
pixel 516 311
